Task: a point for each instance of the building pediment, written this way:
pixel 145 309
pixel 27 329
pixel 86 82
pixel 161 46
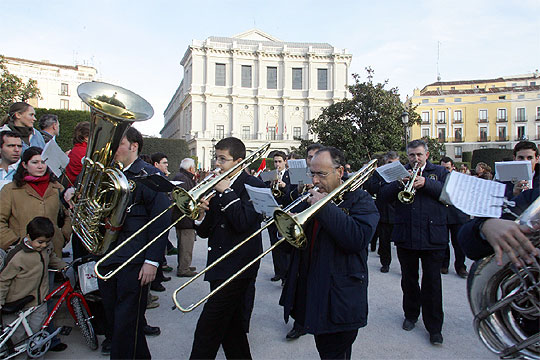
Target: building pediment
pixel 256 35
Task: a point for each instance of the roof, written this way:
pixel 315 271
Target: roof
pixel 504 89
pixel 69 67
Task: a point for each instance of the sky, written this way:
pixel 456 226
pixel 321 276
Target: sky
pixel 139 44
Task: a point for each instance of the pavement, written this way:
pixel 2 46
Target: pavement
pixel 382 338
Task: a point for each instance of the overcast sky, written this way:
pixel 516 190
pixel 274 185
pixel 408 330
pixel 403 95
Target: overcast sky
pixel 139 44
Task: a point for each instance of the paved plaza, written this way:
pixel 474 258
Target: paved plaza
pixel 382 338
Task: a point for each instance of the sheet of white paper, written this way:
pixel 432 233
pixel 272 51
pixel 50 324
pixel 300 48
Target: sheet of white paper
pixel 55 158
pixel 297 163
pixel 513 171
pixel 269 175
pixel 393 171
pixel 299 172
pixel 262 200
pixel 474 196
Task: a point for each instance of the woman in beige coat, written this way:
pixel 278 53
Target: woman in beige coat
pixel 33 192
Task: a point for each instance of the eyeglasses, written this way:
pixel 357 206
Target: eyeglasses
pixel 222 159
pixel 321 174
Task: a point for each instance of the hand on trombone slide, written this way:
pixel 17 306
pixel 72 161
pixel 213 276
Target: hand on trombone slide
pixel 315 196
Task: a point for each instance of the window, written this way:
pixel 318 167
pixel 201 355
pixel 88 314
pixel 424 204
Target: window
pixel 521 96
pixel 425 132
pixel 521 135
pixel 246 132
pixel 533 83
pixel 441 134
pixel 441 117
pixel 538 113
pixel 220 74
pixel 458 151
pixel 457 100
pixel 521 114
pixel 271 77
pixel 502 97
pixel 322 79
pixel 64 104
pixel 483 115
pixel 537 132
pixel 425 117
pixel 297 78
pixel 458 134
pixel 483 98
pixel 246 76
pixel 220 131
pixel 297 132
pixel 64 89
pixel 425 101
pixel 458 116
pixel 271 135
pixel 441 100
pixel 483 133
pixel 452 88
pixel 501 114
pixel 502 133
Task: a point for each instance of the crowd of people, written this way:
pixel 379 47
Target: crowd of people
pixel 324 284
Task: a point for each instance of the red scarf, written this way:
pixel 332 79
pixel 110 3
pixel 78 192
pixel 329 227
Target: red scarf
pixel 40 184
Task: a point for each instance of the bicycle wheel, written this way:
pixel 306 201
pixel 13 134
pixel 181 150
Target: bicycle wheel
pixel 83 322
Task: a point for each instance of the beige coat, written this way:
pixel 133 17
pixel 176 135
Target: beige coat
pixel 19 205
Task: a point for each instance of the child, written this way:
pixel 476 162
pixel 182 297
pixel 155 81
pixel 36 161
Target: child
pixel 26 272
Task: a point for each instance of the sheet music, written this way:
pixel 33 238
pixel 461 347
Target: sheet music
pixel 299 172
pixel 262 199
pixel 514 171
pixel 392 171
pixel 55 158
pixel 474 196
pixel 269 175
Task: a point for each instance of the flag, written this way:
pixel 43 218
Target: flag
pixel 277 125
pixel 284 127
pixel 261 168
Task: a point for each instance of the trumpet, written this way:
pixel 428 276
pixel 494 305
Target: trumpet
pixel 189 204
pixel 406 196
pixel 276 192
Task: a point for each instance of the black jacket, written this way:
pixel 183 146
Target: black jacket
pixel 386 209
pixel 422 224
pixel 326 286
pixel 231 219
pixel 144 205
pixel 509 191
pixel 188 182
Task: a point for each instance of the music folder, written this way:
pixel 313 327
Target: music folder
pixel 156 182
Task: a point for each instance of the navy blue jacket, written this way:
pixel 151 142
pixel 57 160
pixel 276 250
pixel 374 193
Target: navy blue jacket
pixel 509 191
pixel 387 210
pixel 422 224
pixel 144 205
pixel 326 286
pixel 469 238
pixel 456 216
pixel 230 220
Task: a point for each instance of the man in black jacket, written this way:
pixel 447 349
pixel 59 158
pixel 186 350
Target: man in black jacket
pixel 326 285
pixel 524 151
pixel 125 295
pixel 228 218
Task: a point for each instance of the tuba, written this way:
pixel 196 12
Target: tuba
pixel 102 195
pixel 505 300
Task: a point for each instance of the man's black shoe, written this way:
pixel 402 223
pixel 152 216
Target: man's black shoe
pixel 151 330
pixel 275 278
pixel 436 339
pixel 157 287
pixel 106 347
pixel 295 334
pixel 462 273
pixel 58 347
pixel 444 270
pixel 385 268
pixel 408 325
pixel 166 278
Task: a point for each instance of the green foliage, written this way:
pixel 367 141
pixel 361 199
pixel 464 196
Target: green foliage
pixel 175 149
pixel 466 156
pixel 436 149
pixel 13 89
pixel 367 123
pixel 68 120
pixel 490 156
pixel 269 164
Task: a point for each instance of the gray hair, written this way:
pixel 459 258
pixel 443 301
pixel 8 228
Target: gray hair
pixel 390 155
pixel 187 164
pixel 47 120
pixel 416 143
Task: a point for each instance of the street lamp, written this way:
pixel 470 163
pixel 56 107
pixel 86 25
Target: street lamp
pixel 213 155
pixel 405 121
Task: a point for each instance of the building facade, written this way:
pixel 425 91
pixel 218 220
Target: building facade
pixel 476 114
pixel 254 87
pixel 57 83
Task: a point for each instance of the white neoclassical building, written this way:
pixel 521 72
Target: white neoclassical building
pixel 57 83
pixel 254 87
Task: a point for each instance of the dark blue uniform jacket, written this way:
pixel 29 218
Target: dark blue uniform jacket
pixel 230 220
pixel 334 296
pixel 422 224
pixel 386 209
pixel 509 191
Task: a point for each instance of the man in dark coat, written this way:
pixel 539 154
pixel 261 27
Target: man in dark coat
pixel 524 151
pixel 326 285
pixel 125 295
pixel 228 218
pixel 421 234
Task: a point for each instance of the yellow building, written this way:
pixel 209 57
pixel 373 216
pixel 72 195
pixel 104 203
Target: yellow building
pixel 477 114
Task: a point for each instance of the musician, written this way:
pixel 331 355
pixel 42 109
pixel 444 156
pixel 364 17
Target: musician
pixel 125 295
pixel 524 151
pixel 228 218
pixel 326 285
pixel 420 234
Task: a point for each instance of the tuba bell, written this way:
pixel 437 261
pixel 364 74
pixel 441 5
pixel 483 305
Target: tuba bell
pixel 102 195
pixel 505 300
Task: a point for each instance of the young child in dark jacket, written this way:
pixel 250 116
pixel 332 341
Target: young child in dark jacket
pixel 26 272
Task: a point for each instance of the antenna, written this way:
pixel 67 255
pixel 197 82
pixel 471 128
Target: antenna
pixel 438 53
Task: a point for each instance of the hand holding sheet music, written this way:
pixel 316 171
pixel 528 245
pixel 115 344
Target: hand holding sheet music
pixel 393 171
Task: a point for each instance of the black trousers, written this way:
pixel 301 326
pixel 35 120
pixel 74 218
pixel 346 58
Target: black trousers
pixel 459 256
pixel 427 296
pixel 280 256
pixel 124 300
pixel 222 322
pixel 385 243
pixel 335 345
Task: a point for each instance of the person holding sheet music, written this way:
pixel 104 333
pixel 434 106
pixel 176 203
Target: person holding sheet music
pixel 524 151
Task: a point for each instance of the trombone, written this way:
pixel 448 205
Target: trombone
pixel 188 203
pixel 281 218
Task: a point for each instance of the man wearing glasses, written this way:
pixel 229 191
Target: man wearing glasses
pixel 326 286
pixel 228 218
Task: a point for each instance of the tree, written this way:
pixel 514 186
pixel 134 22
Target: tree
pixel 436 149
pixel 13 89
pixel 367 123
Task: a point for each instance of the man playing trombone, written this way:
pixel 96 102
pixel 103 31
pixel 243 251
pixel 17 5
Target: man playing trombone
pixel 326 285
pixel 228 218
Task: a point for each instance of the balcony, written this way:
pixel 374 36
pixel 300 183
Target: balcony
pixel 520 119
pixel 482 120
pixel 458 121
pixel 271 136
pixel 521 137
pixel 441 139
pixel 502 119
pixel 425 122
pixel 502 138
pixel 483 138
pixel 249 137
pixel 441 121
pixel 457 139
pixel 537 117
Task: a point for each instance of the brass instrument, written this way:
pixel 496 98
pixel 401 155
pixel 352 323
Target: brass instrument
pixel 101 197
pixel 406 196
pixel 188 202
pixel 276 192
pixel 505 300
